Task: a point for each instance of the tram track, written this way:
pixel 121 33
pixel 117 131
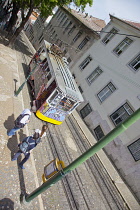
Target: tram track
pixel 96 167
pixel 76 194
pixel 93 165
pixel 62 153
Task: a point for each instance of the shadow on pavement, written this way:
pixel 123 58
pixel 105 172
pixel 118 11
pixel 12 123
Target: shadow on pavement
pixel 21 47
pixel 6 203
pixel 25 68
pixel 13 147
pixel 9 123
pixel 20 172
pixel 13 142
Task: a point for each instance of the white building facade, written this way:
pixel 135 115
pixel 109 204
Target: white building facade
pixel 109 77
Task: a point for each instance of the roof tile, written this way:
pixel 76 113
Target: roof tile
pixel 93 23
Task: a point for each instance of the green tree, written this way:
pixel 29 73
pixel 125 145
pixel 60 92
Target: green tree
pixel 45 8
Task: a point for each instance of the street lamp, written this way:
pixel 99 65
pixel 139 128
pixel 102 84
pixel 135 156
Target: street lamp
pixel 42 57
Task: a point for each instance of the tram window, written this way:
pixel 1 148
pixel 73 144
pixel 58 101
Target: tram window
pixel 49 76
pixel 42 51
pixel 47 69
pixel 44 61
pixel 39 50
pixel 53 96
pixel 74 107
pixel 66 104
pixel 44 65
pixel 62 102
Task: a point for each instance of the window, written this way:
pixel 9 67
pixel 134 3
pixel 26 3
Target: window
pixel 41 38
pixel 83 43
pixel 121 114
pixel 51 31
pixel 98 132
pixel 94 75
pixel 68 26
pixel 134 149
pixel 85 111
pixel 49 27
pixel 60 44
pixel 71 30
pixel 63 18
pixel 106 92
pixel 135 64
pixel 59 16
pixel 74 76
pixel 80 89
pixel 122 46
pixel 65 22
pixel 55 37
pixel 77 36
pixel 65 51
pixel 52 34
pixel 85 62
pixel 58 13
pixel 109 36
pixel 69 59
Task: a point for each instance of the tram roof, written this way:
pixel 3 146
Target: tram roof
pixel 63 76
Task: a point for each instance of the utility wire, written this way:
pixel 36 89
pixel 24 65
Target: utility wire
pixel 112 70
pixel 122 76
pixel 121 34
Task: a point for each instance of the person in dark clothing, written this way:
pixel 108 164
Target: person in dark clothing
pixel 30 142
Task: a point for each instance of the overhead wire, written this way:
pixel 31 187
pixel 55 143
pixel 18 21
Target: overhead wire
pixel 107 32
pixel 108 68
pixel 112 70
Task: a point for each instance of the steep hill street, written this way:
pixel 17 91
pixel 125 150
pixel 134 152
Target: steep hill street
pixel 90 186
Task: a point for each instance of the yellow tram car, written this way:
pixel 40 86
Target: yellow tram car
pixel 54 89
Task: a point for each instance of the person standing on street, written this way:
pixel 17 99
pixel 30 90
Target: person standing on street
pixel 41 132
pixel 25 147
pixel 21 121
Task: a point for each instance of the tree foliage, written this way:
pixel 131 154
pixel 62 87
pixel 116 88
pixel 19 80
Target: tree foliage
pixel 45 8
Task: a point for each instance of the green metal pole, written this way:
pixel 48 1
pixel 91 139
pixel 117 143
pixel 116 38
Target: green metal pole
pixel 99 145
pixel 21 87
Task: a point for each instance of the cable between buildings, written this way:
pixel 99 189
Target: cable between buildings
pixel 103 32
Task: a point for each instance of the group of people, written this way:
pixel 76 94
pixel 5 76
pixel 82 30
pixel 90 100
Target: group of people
pixel 30 142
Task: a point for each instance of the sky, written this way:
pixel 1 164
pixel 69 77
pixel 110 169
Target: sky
pixel 124 9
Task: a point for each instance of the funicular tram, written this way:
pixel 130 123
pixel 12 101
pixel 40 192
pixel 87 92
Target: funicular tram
pixel 54 89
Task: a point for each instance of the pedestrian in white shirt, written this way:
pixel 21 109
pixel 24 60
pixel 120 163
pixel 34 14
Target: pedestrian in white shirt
pixel 21 121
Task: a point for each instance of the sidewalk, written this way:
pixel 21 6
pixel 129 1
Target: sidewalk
pixel 13 180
